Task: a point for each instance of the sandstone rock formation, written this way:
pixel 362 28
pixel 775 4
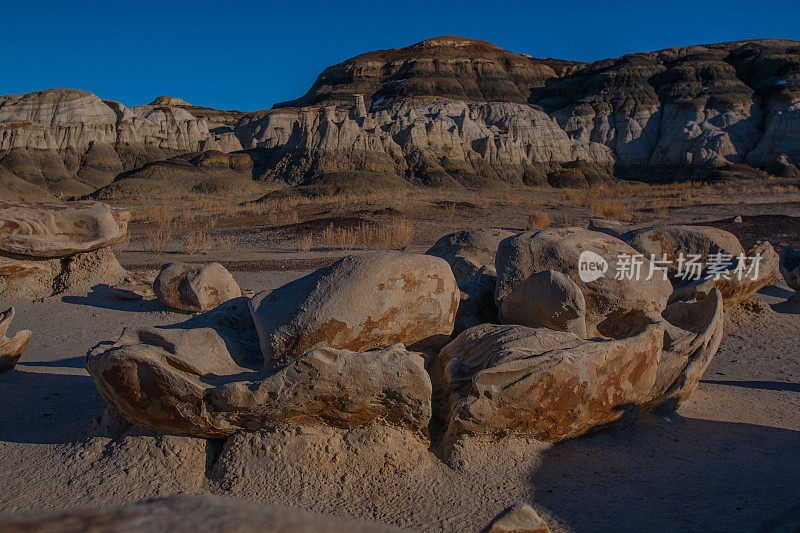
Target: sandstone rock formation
pixel 50 230
pixel 192 513
pixel 547 299
pixel 669 242
pixel 195 288
pixel 700 258
pixel 359 303
pixel 205 382
pixel 447 111
pixel 11 348
pixel 467 251
pixel 69 141
pixel 790 267
pixel 608 300
pixel 521 518
pixel 500 380
pixel 692 335
pixel 46 249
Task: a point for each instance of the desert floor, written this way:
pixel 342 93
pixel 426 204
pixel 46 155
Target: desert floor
pixel 728 460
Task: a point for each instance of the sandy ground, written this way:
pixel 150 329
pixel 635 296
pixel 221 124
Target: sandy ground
pixel 728 460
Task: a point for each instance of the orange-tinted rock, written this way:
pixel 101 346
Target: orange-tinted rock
pixel 501 380
pixel 608 300
pixel 195 288
pixel 361 302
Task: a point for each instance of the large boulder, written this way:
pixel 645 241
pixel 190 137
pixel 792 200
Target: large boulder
pixel 669 242
pixel 11 348
pixel 204 381
pixel 610 294
pixel 195 288
pixel 693 333
pixel 360 303
pixel 547 299
pixel 59 229
pixel 521 518
pixel 550 385
pixel 48 249
pixel 701 258
pixel 469 250
pixel 790 267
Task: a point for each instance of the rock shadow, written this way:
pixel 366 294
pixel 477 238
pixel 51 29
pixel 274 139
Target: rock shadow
pixel 671 472
pixel 100 296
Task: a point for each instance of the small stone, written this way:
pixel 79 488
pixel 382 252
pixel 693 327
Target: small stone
pixel 521 518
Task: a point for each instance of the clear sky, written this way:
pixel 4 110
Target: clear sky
pixel 249 55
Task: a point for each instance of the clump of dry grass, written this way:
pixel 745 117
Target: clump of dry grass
pixel 197 242
pixel 225 242
pixel 157 238
pixel 344 238
pixel 613 209
pixel 304 242
pixel 450 211
pixel 538 220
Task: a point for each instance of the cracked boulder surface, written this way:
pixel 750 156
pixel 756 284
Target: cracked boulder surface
pixel 692 335
pixel 11 348
pixel 360 303
pixel 205 377
pixel 608 301
pixel 501 380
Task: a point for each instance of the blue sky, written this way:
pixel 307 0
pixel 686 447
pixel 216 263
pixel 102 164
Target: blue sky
pixel 243 55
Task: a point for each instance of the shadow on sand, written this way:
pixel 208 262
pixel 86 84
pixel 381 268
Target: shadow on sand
pixel 100 296
pixel 672 473
pixel 58 408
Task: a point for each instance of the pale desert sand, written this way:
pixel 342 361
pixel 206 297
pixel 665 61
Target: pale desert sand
pixel 728 460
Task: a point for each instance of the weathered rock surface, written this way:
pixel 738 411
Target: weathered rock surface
pixel 551 385
pixel 547 299
pixel 54 230
pixel 469 250
pixel 692 335
pixel 360 303
pixel 195 288
pixel 192 381
pixel 51 248
pixel 70 141
pixel 608 300
pixel 11 348
pixel 193 513
pixel 700 258
pixel 521 518
pixel 670 242
pixel 790 267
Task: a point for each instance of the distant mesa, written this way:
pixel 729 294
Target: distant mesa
pixel 449 112
pixel 169 100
